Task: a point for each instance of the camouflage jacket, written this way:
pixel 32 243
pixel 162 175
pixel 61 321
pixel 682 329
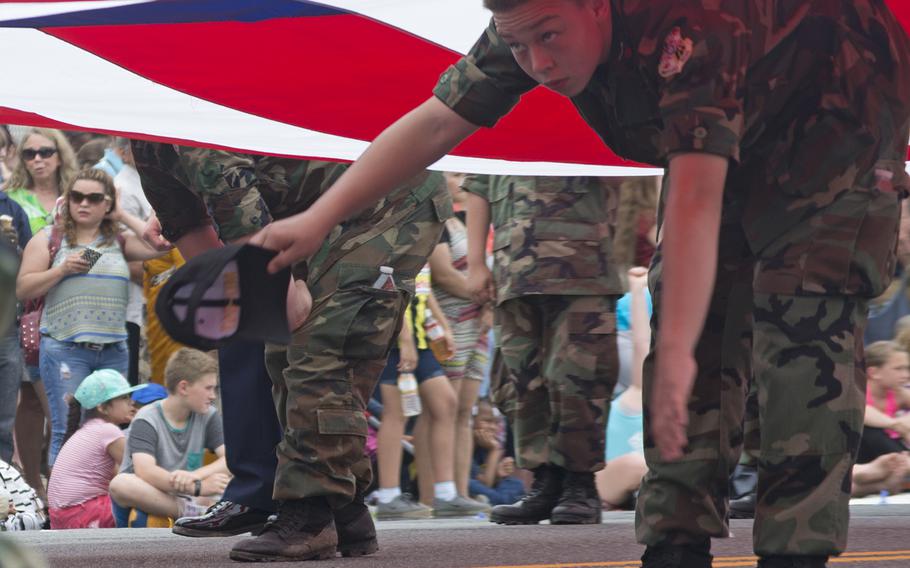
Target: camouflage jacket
pixel 808 98
pixel 241 193
pixel 551 235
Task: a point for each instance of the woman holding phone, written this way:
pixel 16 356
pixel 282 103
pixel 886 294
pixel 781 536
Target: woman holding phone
pixel 83 327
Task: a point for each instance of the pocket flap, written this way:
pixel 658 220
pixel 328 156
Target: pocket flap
pixel 341 421
pixel 569 230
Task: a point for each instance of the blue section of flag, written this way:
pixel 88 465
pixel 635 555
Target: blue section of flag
pixel 179 12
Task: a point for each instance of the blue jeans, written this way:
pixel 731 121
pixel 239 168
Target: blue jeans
pixel 11 365
pixel 58 357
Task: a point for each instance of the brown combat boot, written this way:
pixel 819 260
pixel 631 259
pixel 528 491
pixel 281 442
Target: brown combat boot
pixel 579 503
pixel 356 531
pixel 537 505
pixel 303 530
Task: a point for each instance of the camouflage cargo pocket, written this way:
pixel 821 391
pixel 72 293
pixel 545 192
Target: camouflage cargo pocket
pixel 502 389
pixel 357 321
pixel 566 249
pixel 341 422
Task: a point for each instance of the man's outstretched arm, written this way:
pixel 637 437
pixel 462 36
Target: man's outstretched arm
pixel 403 150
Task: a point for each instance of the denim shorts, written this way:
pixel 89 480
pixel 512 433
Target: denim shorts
pixel 427 367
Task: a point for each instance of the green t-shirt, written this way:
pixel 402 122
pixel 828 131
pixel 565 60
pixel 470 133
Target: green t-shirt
pixel 38 216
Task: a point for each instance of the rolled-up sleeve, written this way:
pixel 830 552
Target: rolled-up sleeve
pixel 702 102
pixel 484 85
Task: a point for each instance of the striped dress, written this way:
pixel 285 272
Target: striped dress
pixel 471 347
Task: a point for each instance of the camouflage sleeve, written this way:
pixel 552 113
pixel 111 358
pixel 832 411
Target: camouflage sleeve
pixel 178 207
pixel 229 185
pixel 478 185
pixel 702 67
pixel 484 85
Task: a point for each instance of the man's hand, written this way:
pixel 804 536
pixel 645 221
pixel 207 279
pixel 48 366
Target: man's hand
pixel 215 484
pixel 669 402
pixel 152 235
pixel 184 481
pixel 295 238
pixel 299 304
pixel 480 285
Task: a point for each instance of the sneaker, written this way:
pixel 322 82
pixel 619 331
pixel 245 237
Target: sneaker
pixel 402 508
pixel 460 506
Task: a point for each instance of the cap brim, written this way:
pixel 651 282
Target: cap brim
pixel 130 390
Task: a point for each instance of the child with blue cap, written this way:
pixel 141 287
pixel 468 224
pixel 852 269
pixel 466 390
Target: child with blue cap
pixel 91 454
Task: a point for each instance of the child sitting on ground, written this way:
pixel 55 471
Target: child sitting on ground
pixel 162 470
pixel 91 454
pixel 492 473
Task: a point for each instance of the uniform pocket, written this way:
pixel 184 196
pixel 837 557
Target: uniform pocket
pixel 341 422
pixel 357 321
pixel 565 249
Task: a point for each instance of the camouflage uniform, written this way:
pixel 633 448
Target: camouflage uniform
pixel 556 292
pixel 323 380
pixel 809 102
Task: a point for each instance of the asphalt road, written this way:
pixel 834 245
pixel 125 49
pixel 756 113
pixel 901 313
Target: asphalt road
pixel 879 538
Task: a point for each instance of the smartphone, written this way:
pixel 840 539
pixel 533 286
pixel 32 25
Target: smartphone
pixel 91 256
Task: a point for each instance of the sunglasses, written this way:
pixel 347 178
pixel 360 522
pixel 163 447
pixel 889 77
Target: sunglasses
pixel 45 152
pixel 78 197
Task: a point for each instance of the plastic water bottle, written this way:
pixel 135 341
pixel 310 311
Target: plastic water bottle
pixel 437 338
pixel 385 280
pixel 410 399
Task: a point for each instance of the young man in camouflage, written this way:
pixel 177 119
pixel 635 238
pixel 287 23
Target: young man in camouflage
pixel 555 288
pixel 323 380
pixel 784 128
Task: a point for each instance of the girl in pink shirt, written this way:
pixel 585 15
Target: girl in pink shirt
pixel 77 491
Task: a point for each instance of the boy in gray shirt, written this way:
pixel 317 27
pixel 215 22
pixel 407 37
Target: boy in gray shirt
pixel 162 465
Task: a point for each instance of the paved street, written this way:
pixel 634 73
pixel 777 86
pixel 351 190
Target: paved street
pixel 879 538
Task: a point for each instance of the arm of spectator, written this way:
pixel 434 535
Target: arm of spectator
pixel 486 438
pixel 137 270
pixel 641 326
pixel 480 279
pixel 151 234
pixel 447 276
pixel 115 449
pixel 148 470
pixel 391 160
pixel 35 278
pixel 407 360
pixel 875 418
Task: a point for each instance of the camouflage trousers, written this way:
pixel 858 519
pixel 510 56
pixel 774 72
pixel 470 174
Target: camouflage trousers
pixel 805 356
pixel 324 379
pixel 560 353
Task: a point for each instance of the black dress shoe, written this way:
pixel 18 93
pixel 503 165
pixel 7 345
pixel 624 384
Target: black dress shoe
pixel 224 518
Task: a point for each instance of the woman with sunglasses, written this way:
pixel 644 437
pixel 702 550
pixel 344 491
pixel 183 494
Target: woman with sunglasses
pixel 83 327
pixel 46 163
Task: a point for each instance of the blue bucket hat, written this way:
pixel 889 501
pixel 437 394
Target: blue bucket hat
pixel 101 386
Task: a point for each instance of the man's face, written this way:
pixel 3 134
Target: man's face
pixel 202 393
pixel 559 43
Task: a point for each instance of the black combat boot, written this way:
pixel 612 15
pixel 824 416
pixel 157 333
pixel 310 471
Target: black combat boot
pixel 304 529
pixel 793 562
pixel 537 505
pixel 356 531
pixel 678 556
pixel 579 503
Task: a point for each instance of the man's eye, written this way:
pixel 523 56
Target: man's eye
pixel 516 46
pixel 547 36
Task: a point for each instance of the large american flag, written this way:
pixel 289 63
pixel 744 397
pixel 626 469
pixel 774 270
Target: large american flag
pixel 286 77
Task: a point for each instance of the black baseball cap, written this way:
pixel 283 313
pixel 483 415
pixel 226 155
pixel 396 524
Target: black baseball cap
pixel 224 296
